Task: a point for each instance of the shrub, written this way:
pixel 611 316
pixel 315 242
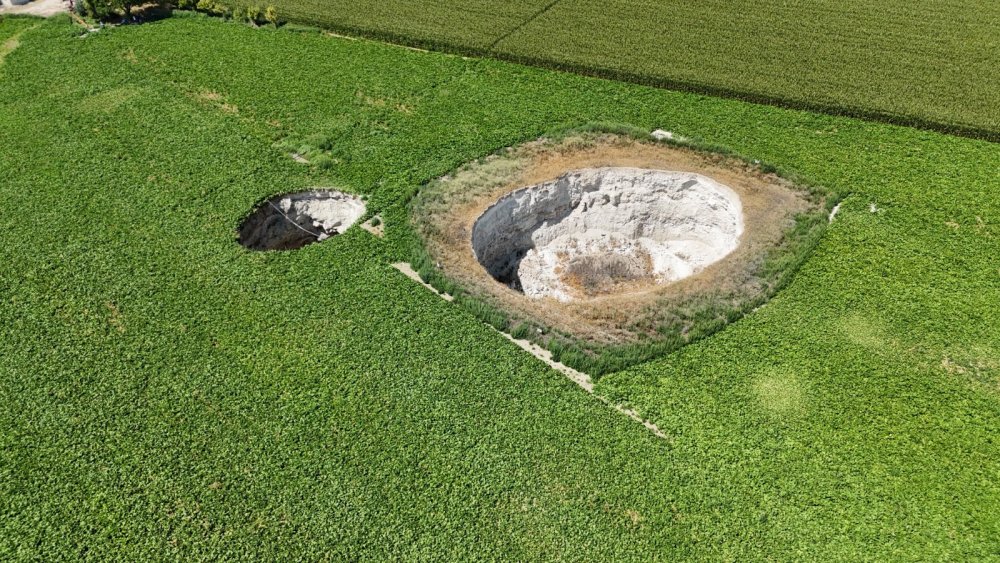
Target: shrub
pixel 253 14
pixel 323 162
pixel 485 312
pixel 105 9
pixel 97 9
pixel 522 330
pixel 271 15
pixel 320 141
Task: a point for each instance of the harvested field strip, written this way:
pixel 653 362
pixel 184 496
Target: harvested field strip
pixel 926 65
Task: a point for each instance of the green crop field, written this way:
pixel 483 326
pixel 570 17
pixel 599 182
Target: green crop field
pixel 927 63
pixel 168 394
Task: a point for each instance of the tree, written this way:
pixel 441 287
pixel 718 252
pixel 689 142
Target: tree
pixel 105 9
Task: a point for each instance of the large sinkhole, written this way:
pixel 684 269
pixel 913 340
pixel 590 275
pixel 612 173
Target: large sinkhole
pixel 590 231
pixel 291 221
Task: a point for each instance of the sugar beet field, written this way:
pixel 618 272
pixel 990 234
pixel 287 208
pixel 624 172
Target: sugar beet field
pixel 169 394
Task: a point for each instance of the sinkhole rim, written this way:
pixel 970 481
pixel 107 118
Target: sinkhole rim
pixel 774 243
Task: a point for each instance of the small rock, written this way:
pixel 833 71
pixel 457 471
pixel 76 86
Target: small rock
pixel 661 135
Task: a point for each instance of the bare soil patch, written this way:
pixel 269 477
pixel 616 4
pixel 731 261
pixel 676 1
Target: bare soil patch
pixel 375 226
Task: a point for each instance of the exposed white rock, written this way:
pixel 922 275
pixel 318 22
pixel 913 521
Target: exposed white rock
pixel 664 135
pixel 593 228
pixel 295 220
pixel 833 213
pixel 661 135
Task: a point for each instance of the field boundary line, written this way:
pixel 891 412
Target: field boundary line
pixel 409 272
pixel 581 379
pixel 520 26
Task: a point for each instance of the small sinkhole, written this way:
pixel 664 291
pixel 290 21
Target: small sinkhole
pixel 291 221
